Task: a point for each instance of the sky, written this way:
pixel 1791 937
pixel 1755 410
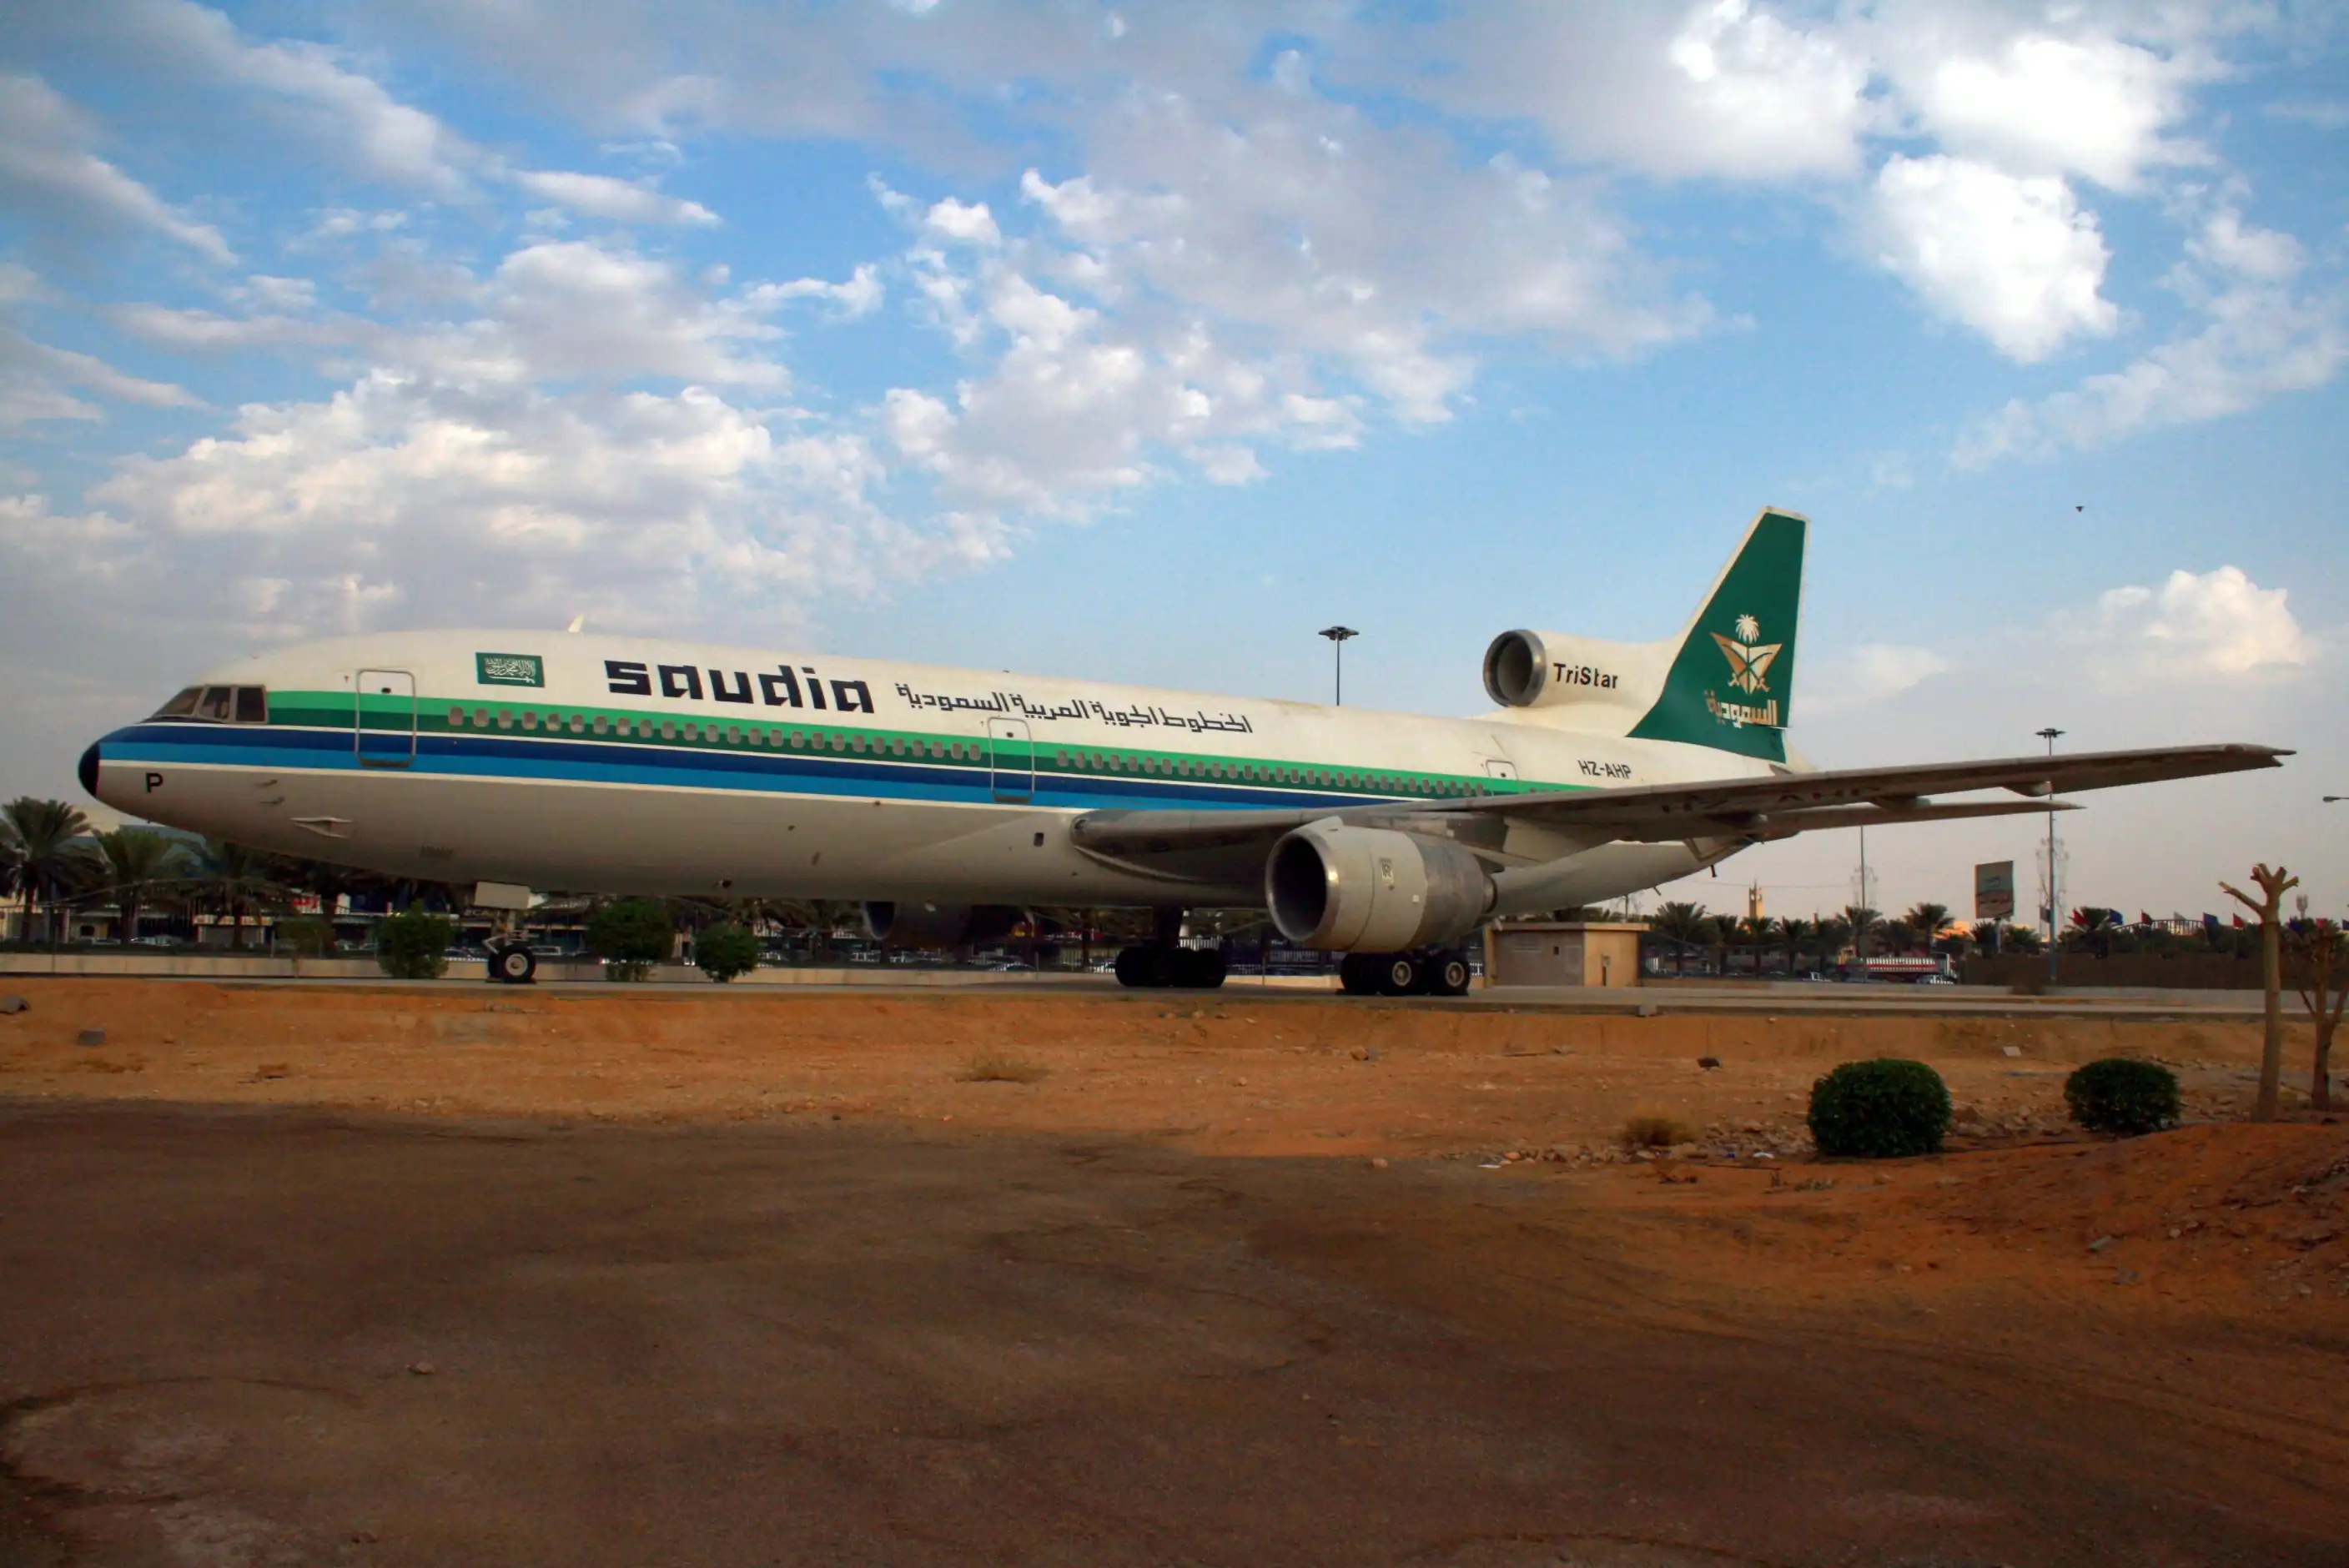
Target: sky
pixel 1141 341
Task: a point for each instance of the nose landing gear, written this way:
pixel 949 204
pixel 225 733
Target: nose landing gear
pixel 512 963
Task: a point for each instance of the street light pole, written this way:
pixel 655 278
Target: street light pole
pixel 1338 636
pixel 2053 904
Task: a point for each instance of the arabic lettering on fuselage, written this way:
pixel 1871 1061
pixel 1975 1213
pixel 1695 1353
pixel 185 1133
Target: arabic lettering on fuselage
pixel 1136 716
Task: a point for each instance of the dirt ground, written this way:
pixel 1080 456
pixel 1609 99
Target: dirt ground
pixel 1046 1279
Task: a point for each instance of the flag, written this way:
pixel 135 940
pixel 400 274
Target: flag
pixel 2143 918
pixel 2209 921
pixel 2239 923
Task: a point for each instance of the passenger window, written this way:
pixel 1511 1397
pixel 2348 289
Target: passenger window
pixel 183 705
pixel 251 705
pixel 215 703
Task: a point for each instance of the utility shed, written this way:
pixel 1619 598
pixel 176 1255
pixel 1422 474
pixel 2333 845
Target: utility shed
pixel 1563 953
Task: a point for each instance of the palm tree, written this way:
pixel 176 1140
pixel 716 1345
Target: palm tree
pixel 1899 936
pixel 136 860
pixel 1684 925
pixel 1792 932
pixel 236 878
pixel 1929 918
pixel 1757 932
pixel 45 853
pixel 1861 921
pixel 1832 931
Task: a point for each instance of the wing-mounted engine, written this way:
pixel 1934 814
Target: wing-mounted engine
pixel 1577 683
pixel 938 925
pixel 1345 889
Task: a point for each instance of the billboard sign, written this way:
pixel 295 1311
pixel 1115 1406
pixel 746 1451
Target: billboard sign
pixel 1994 891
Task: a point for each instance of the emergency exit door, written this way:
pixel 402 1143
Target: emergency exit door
pixel 1012 759
pixel 383 717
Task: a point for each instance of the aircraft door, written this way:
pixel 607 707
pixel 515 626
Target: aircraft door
pixel 384 718
pixel 1012 759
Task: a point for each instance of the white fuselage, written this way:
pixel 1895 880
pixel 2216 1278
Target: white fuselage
pixel 586 763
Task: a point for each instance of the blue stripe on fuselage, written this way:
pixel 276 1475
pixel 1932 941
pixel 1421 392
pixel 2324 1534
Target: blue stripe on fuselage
pixel 611 762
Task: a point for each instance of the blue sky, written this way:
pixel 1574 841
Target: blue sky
pixel 1142 341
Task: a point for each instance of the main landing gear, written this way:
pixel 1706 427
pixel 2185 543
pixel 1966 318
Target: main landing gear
pixel 1404 974
pixel 1155 968
pixel 1165 963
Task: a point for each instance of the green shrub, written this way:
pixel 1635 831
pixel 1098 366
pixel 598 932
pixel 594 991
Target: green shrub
pixel 305 935
pixel 414 945
pixel 2121 1095
pixel 1884 1110
pixel 723 952
pixel 631 936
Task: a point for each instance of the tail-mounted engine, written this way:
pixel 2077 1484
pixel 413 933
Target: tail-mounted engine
pixel 1372 890
pixel 1555 669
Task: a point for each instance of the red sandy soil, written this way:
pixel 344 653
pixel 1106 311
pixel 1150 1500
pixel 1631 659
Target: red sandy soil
pixel 2197 1281
pixel 2257 1212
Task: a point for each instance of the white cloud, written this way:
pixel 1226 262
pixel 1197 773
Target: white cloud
pixel 1871 673
pixel 46 163
pixel 965 223
pixel 1724 88
pixel 621 201
pixel 332 106
pixel 563 310
pixel 2013 258
pixel 859 296
pixel 2097 105
pixel 36 379
pixel 2262 336
pixel 2215 624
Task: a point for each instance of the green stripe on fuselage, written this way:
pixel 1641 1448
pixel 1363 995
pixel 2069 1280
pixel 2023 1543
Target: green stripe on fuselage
pixel 809 733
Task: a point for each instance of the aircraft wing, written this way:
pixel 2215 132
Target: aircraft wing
pixel 1188 843
pixel 1789 803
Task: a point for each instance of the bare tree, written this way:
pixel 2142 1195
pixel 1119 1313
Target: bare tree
pixel 2269 906
pixel 2320 965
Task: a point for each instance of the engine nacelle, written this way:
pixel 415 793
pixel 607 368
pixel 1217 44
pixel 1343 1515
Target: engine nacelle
pixel 1553 669
pixel 1371 889
pixel 938 925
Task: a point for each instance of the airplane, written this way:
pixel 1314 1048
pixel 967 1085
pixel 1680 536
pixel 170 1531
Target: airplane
pixel 947 801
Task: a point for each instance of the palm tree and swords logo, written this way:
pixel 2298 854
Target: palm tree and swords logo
pixel 1749 657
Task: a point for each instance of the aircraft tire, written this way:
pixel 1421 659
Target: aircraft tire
pixel 1151 968
pixel 514 965
pixel 1447 974
pixel 1199 969
pixel 1358 973
pixel 1400 973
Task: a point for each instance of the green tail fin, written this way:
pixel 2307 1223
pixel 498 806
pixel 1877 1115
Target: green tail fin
pixel 1731 685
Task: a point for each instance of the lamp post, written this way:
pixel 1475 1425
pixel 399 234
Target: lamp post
pixel 1338 636
pixel 2053 902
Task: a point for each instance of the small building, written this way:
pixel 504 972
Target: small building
pixel 1564 952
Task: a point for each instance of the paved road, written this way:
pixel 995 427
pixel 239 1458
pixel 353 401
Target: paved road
pixel 234 1338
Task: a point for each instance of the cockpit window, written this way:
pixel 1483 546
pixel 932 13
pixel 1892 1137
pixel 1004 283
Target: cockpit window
pixel 220 705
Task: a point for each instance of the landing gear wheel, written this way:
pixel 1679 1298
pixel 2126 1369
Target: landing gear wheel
pixel 1197 969
pixel 1399 973
pixel 514 965
pixel 1447 974
pixel 1358 973
pixel 1146 968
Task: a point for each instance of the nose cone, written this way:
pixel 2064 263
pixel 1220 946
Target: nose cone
pixel 89 769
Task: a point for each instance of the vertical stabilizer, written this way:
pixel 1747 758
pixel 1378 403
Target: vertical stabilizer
pixel 1732 683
